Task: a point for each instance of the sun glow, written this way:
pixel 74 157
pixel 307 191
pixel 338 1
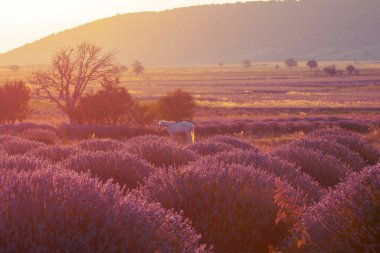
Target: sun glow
pixel 23 21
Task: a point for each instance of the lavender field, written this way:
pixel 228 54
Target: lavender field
pixel 194 126
pixel 316 193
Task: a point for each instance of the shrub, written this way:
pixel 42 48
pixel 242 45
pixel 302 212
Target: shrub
pixel 79 132
pixel 347 219
pixel 14 102
pixel 233 141
pixel 21 163
pixel 159 151
pixel 123 168
pixel 209 148
pixel 112 105
pixel 330 147
pixel 145 113
pixel 231 206
pixel 326 169
pixel 353 141
pixel 269 163
pixel 16 129
pixel 52 153
pixel 330 70
pixel 62 211
pixel 18 146
pixel 100 145
pixel 46 136
pixel 7 138
pixel 178 105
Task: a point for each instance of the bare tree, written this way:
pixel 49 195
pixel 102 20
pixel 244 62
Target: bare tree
pixel 72 69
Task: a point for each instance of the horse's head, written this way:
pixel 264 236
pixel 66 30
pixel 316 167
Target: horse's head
pixel 161 125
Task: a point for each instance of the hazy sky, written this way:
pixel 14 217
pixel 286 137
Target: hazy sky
pixel 23 21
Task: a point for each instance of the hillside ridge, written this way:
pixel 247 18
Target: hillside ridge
pixel 229 33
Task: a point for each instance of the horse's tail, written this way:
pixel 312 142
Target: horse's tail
pixel 192 134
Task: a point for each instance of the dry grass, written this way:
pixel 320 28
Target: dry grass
pixel 272 92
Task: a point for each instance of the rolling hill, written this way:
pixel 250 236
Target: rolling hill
pixel 229 33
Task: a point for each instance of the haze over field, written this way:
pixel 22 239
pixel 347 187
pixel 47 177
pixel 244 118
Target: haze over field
pixel 229 33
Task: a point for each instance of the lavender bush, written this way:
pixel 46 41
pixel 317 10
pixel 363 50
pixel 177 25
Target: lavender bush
pixel 19 146
pixel 330 147
pixel 233 141
pixel 123 168
pixel 326 169
pixel 7 138
pixel 353 141
pixel 46 136
pixel 100 145
pixel 21 163
pixel 62 211
pixel 347 219
pixel 269 163
pixel 159 151
pixel 52 153
pixel 231 206
pixel 209 148
pixel 80 132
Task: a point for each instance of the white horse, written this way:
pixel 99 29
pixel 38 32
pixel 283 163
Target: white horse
pixel 174 128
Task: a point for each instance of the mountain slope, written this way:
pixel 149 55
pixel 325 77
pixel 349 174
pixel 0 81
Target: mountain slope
pixel 321 29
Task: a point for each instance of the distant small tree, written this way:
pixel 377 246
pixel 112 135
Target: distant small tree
pixel 123 68
pixel 312 64
pixel 277 67
pixel 138 68
pixel 112 105
pixel 177 105
pixel 14 68
pixel 330 70
pixel 247 63
pixel 14 102
pixel 221 64
pixel 290 63
pixel 351 69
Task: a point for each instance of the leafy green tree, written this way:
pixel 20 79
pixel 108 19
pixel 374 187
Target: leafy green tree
pixel 112 105
pixel 178 105
pixel 145 113
pixel 14 102
pixel 351 69
pixel 312 64
pixel 290 63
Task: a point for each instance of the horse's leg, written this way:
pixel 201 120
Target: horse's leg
pixel 171 135
pixel 192 132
